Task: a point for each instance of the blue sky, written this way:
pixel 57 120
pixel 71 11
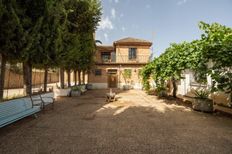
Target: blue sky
pixel 160 21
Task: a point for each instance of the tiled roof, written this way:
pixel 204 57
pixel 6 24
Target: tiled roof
pixel 105 47
pixel 130 40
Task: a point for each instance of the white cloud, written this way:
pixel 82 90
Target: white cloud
pixel 106 36
pixel 113 13
pixel 116 1
pixel 106 23
pixel 181 2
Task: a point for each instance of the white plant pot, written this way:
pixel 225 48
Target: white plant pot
pixel 126 87
pixel 62 92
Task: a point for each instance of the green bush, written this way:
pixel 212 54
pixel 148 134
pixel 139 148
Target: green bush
pixel 202 93
pixel 76 88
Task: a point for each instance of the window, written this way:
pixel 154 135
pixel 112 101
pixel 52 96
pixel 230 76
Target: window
pixel 98 72
pixel 105 56
pixel 132 53
pixel 112 71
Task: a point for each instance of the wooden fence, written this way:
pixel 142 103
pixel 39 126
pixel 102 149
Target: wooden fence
pixel 14 80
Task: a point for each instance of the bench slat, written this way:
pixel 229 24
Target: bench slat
pixel 13 110
pixel 12 107
pixel 18 116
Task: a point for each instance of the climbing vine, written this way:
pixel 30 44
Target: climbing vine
pixel 215 45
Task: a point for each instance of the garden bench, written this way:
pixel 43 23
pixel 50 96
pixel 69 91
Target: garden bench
pixel 42 99
pixel 13 110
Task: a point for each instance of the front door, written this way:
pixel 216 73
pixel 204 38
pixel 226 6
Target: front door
pixel 112 81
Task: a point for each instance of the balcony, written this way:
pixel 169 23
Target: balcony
pixel 124 59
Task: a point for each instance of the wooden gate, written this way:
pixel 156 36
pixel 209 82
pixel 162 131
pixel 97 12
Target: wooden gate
pixel 112 81
pixel 112 78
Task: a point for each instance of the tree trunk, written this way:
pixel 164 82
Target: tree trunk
pixel 79 77
pixel 75 77
pixel 69 78
pixel 45 79
pixel 174 87
pixel 83 77
pixel 2 76
pixel 27 78
pixel 61 78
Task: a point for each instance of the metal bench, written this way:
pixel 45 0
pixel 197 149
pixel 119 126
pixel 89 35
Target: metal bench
pixel 43 99
pixel 13 110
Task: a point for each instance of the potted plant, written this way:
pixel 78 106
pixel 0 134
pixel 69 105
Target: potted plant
pixel 127 76
pixel 62 92
pixel 161 91
pixel 76 91
pixel 201 101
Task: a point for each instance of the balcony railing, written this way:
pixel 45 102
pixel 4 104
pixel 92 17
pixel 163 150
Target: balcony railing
pixel 125 59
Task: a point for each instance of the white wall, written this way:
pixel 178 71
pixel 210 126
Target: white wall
pixel 99 85
pixel 188 85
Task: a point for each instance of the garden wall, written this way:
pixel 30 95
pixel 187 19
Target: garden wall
pixel 188 85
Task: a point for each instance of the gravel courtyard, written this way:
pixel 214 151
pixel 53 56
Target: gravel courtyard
pixel 135 123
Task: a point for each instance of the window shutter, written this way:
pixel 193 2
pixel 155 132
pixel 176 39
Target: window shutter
pixel 135 52
pixel 130 53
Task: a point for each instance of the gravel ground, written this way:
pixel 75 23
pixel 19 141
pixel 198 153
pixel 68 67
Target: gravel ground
pixel 135 123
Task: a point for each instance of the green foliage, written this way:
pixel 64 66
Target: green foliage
pixel 215 45
pixel 16 69
pixel 11 35
pixel 202 93
pixel 217 41
pixel 127 73
pixel 160 88
pixel 146 73
pixel 49 33
pixel 173 61
pixel 161 91
pixel 76 88
pixel 82 19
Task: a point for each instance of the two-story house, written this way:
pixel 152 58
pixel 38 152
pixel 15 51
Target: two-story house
pixel 120 64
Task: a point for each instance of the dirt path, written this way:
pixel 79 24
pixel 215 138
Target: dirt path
pixel 135 123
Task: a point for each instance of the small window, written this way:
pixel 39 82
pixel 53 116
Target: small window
pixel 112 71
pixel 98 72
pixel 105 56
pixel 132 53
